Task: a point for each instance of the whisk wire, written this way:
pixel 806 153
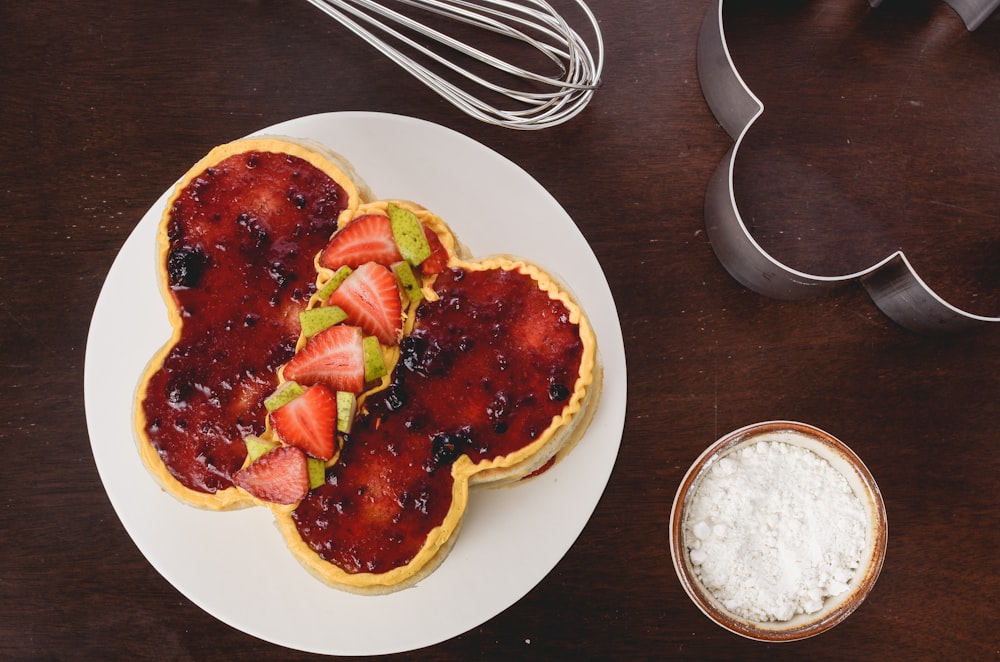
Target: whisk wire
pixel 537 21
pixel 457 13
pixel 461 47
pixel 531 22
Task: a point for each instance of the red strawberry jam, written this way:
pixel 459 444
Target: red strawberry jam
pixel 242 238
pixel 487 367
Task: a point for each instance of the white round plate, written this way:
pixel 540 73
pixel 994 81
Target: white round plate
pixel 235 565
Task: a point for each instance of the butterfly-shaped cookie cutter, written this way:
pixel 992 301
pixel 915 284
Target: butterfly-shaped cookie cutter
pixel 893 284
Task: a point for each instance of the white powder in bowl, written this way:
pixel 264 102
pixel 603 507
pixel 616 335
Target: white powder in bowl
pixel 773 530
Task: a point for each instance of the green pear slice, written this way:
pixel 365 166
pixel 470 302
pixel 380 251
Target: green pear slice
pixel 347 407
pixel 408 281
pixel 256 447
pixel 336 279
pixel 374 363
pixel 283 395
pixel 409 235
pixel 317 472
pixel 314 320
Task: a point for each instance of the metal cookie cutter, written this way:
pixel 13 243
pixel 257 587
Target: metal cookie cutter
pixel 893 284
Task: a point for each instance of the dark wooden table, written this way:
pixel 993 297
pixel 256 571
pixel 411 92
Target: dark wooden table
pixel 884 133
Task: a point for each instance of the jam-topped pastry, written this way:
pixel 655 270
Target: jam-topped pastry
pixel 342 363
pixel 237 244
pixel 489 381
pixel 488 372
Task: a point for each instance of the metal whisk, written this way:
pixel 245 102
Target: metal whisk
pixel 472 79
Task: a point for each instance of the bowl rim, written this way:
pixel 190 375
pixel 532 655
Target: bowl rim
pixel 841 457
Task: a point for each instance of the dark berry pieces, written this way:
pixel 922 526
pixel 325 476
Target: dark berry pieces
pixel 417 355
pixel 179 392
pixel 411 352
pixel 558 392
pixel 185 266
pixel 446 447
pixel 395 397
pixel 280 273
pixel 437 357
pixel 257 233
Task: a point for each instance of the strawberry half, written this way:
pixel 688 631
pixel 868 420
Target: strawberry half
pixel 279 476
pixel 438 259
pixel 334 357
pixel 309 422
pixel 367 238
pixel 370 297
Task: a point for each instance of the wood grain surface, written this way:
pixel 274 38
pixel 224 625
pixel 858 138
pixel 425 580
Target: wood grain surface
pixel 881 132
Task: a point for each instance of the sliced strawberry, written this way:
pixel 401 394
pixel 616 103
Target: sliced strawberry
pixel 370 297
pixel 334 357
pixel 279 476
pixel 309 422
pixel 438 260
pixel 367 238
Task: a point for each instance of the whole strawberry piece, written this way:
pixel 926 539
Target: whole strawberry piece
pixel 279 476
pixel 334 357
pixel 367 238
pixel 370 297
pixel 309 422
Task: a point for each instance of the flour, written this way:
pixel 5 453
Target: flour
pixel 774 530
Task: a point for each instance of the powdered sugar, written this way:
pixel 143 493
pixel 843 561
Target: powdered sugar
pixel 774 530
